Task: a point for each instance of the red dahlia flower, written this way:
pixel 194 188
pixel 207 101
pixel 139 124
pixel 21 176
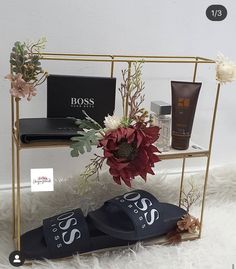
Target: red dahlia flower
pixel 130 152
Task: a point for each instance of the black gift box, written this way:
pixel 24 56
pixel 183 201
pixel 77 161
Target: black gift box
pixel 68 96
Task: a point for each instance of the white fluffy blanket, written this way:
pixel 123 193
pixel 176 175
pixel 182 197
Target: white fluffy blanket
pixel 216 249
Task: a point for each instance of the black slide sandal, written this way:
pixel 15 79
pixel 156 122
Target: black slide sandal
pixel 136 215
pixel 65 235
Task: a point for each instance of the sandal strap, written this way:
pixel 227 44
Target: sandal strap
pixel 67 233
pixel 142 208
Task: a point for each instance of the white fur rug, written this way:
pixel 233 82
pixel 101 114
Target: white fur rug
pixel 216 249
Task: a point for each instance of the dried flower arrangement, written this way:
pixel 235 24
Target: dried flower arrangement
pixel 127 141
pixel 191 197
pixel 188 223
pixel 26 71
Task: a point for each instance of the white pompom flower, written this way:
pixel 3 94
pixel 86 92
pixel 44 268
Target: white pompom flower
pixel 112 122
pixel 225 69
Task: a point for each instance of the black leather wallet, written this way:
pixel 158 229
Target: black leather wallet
pixel 43 129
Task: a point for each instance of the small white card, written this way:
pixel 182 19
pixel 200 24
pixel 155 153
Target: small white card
pixel 42 179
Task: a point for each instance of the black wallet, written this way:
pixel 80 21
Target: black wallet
pixel 43 129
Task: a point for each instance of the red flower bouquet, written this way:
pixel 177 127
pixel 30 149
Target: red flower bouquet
pixel 130 152
pixel 127 142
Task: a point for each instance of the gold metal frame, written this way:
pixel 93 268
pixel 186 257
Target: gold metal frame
pixel 112 59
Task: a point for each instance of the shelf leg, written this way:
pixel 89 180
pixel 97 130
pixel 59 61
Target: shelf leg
pixel 18 207
pixel 13 167
pixel 13 190
pixel 182 181
pixel 204 194
pixel 195 70
pixel 112 67
pixel 209 156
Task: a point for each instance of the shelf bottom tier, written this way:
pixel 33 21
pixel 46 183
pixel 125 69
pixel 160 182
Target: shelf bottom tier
pixel 150 242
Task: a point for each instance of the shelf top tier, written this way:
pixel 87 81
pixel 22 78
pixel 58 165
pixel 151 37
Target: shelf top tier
pixel 124 58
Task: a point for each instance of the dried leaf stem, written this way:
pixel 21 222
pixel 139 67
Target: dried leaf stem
pixel 93 167
pixel 190 197
pixel 131 92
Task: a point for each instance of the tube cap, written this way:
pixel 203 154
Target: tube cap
pixel 161 108
pixel 180 142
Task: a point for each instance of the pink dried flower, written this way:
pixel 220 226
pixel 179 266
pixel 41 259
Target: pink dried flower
pixel 188 223
pixel 20 88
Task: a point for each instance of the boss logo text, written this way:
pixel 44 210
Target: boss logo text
pixel 82 102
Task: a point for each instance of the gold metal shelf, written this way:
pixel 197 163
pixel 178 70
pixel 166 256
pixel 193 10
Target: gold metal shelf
pixel 194 150
pixel 124 58
pixel 191 152
pixel 17 146
pixel 46 144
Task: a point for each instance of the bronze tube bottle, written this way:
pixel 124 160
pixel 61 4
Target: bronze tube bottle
pixel 184 102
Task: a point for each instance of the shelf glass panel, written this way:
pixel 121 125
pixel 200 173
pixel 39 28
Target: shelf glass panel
pixel 194 150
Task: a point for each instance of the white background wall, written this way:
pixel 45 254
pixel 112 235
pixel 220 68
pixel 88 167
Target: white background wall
pixel 167 27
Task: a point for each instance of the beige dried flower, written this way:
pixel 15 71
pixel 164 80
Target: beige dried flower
pixel 225 69
pixel 188 223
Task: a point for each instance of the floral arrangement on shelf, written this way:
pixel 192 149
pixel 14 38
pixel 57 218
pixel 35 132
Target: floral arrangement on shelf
pixel 188 223
pixel 26 71
pixel 127 141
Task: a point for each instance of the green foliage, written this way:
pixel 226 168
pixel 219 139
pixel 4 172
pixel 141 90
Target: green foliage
pixel 87 124
pixel 25 59
pixel 125 122
pixel 97 126
pixel 83 142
